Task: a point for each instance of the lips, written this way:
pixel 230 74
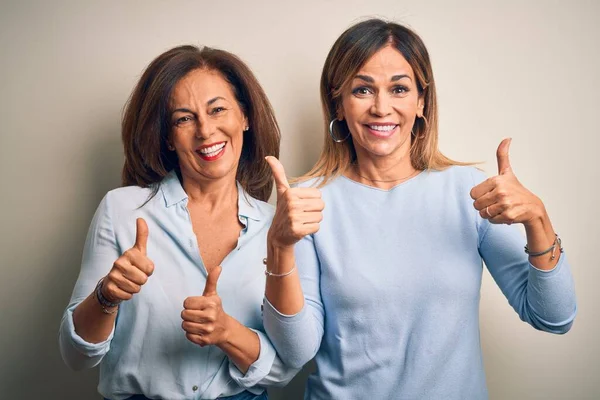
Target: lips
pixel 383 130
pixel 211 152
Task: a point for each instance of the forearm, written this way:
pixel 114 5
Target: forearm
pixel 283 292
pixel 91 323
pixel 540 236
pixel 242 346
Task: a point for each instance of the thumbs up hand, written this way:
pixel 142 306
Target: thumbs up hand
pixel 502 199
pixel 130 271
pixel 204 320
pixel 299 210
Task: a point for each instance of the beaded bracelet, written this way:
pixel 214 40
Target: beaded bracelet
pixel 557 242
pixel 269 273
pixel 104 303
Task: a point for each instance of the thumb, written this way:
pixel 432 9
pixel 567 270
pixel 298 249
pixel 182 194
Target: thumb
pixel 211 281
pixel 281 182
pixel 502 156
pixel 141 235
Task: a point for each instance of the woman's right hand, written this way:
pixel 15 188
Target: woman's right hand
pixel 298 212
pixel 131 271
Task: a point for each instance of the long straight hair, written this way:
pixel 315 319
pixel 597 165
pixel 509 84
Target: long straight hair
pixel 146 128
pixel 349 53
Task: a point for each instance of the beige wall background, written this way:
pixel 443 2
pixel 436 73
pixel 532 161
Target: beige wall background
pixel 529 70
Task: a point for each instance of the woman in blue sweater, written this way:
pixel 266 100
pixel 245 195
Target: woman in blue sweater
pixel 385 290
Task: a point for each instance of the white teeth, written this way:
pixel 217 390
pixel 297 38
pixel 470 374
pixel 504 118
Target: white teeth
pixel 212 150
pixel 382 128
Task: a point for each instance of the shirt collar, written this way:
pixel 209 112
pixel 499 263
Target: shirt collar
pixel 247 205
pixel 173 193
pixel 172 190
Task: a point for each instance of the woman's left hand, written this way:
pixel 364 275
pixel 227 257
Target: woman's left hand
pixel 502 199
pixel 204 320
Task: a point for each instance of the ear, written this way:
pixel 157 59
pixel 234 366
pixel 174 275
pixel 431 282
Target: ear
pixel 339 113
pixel 170 144
pixel 246 124
pixel 420 107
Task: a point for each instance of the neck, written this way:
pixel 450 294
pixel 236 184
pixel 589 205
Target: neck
pixel 382 172
pixel 211 194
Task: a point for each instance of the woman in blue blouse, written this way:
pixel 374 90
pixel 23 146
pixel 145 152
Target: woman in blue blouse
pixel 385 290
pixel 168 300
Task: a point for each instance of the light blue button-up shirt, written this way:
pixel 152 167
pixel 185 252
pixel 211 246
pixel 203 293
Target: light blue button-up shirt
pixel 147 351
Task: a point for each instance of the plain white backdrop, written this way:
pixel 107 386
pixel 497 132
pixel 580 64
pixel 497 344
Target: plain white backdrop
pixel 528 70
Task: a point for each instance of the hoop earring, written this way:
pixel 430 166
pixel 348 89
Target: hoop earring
pixel 331 133
pixel 422 134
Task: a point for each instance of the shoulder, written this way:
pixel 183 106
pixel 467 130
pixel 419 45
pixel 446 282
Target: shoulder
pixel 332 185
pixel 459 175
pixel 308 183
pixel 129 198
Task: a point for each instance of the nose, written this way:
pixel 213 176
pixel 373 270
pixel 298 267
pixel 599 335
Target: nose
pixel 381 105
pixel 204 129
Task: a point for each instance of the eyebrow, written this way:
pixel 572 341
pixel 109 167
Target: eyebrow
pixel 365 78
pixel 183 110
pixel 208 103
pixel 398 77
pixel 187 110
pixel 368 79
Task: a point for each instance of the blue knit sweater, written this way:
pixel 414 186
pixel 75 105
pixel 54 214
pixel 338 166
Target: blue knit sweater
pixel 392 285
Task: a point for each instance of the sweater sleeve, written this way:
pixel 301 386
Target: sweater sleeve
pixel 99 254
pixel 297 338
pixel 267 371
pixel 543 299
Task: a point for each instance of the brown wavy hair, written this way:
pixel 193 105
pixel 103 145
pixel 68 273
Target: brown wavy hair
pixel 146 128
pixel 349 53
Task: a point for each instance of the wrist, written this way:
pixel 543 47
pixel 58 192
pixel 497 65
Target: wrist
pixel 103 298
pixel 538 219
pixel 275 242
pixel 280 261
pixel 275 248
pixel 229 327
pixel 108 306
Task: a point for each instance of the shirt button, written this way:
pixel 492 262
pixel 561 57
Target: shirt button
pixel 194 388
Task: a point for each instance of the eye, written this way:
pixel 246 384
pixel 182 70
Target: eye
pixel 362 91
pixel 182 120
pixel 400 90
pixel 217 110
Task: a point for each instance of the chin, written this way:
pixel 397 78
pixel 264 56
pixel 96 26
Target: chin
pixel 380 150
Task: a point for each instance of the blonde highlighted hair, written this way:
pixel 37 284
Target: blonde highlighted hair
pixel 349 53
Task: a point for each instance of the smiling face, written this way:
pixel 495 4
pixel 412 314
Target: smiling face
pixel 207 125
pixel 381 104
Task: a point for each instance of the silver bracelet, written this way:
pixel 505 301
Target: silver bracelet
pixel 269 273
pixel 109 312
pixel 557 242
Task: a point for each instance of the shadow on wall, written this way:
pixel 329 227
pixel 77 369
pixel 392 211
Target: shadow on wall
pixel 302 149
pixel 41 373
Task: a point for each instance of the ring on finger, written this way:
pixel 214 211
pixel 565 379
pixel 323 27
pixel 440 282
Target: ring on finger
pixel 487 211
